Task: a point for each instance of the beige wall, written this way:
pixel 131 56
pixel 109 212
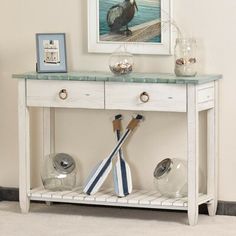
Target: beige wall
pixel 79 132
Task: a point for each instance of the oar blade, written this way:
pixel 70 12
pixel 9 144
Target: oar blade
pixel 97 177
pixel 129 179
pixel 91 174
pixel 122 178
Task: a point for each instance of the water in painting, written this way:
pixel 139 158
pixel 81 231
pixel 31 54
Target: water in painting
pixel 143 27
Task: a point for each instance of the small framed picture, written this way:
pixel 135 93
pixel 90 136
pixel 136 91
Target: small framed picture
pixel 51 52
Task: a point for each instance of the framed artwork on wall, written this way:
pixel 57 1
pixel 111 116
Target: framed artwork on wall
pixel 51 52
pixel 142 25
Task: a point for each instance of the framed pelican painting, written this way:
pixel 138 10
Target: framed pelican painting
pixel 142 25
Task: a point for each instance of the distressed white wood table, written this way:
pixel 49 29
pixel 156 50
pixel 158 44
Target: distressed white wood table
pixel 139 92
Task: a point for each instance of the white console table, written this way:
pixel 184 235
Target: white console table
pixel 96 90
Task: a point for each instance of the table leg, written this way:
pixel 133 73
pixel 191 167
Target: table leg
pixel 212 154
pixel 48 133
pixel 192 121
pixel 24 147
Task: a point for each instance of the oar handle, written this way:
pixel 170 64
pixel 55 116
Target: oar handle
pixel 134 122
pixel 117 123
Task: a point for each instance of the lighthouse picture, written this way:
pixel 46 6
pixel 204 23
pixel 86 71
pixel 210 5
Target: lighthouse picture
pixel 51 52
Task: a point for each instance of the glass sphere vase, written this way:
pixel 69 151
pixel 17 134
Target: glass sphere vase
pixel 170 178
pixel 121 62
pixel 59 172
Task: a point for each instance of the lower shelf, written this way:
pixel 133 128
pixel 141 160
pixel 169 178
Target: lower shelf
pixel 138 198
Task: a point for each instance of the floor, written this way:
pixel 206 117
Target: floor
pixel 69 220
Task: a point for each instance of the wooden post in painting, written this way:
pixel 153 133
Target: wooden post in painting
pixel 140 33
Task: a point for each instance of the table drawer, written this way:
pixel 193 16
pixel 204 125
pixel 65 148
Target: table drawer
pixel 75 94
pixel 145 97
pixel 206 96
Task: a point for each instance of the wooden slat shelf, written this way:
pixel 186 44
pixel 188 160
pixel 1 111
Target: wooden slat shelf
pixel 139 198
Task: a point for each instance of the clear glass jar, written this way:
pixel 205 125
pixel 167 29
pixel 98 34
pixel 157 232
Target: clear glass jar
pixel 185 57
pixel 121 62
pixel 59 172
pixel 170 178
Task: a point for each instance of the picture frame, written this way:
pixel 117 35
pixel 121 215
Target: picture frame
pixel 51 53
pixel 98 26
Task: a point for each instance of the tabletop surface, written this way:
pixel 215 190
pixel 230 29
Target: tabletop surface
pixel 131 78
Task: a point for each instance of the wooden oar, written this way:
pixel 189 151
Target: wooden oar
pixel 121 173
pixel 100 173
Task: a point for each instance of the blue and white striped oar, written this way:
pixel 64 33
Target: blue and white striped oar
pixel 121 173
pixel 100 173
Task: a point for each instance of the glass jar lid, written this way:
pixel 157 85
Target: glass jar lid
pixel 63 163
pixel 163 168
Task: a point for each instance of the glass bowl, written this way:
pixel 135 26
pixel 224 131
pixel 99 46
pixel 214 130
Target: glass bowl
pixel 121 62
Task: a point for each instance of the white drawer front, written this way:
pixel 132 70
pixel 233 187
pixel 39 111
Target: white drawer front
pixel 205 92
pixel 206 96
pixel 162 97
pixel 80 94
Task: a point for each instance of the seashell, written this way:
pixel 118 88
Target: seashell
pixel 180 61
pixel 121 68
pixel 192 60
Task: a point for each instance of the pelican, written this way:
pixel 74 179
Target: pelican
pixel 120 15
